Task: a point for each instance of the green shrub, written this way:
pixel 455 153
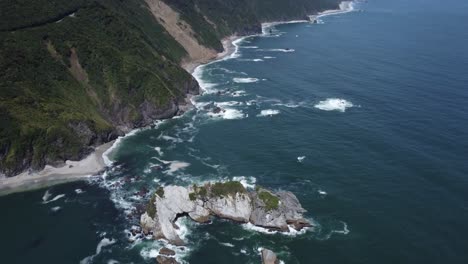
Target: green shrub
pixel 192 196
pixel 227 188
pixel 160 192
pixel 151 207
pixel 270 200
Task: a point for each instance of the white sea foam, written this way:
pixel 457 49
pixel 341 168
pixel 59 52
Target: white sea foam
pixel 289 105
pixel 56 208
pixel 322 192
pixel 254 60
pixel 238 93
pixel 334 104
pixel 103 243
pixel 79 191
pixel 344 7
pixel 46 196
pixel 112 261
pixel 345 230
pixel 277 50
pixel 269 57
pixel 247 182
pixel 249 47
pixel 159 151
pixel 229 103
pixel 228 113
pixel 245 80
pixel 227 244
pixel 268 112
pixel 301 159
pixel 105 156
pixel 176 165
pixel 266 27
pixel 169 138
pixel 292 231
pixel 53 199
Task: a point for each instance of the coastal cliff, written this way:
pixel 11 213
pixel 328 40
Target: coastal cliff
pixel 279 211
pixel 77 74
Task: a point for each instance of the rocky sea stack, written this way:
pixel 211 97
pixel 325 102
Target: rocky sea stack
pixel 229 200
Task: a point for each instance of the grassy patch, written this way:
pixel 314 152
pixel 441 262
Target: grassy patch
pixel 160 192
pixel 151 207
pixel 192 196
pixel 227 188
pixel 270 200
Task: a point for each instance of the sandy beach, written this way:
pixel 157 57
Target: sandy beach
pixel 71 171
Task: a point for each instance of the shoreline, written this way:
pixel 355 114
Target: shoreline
pixel 86 168
pixel 98 160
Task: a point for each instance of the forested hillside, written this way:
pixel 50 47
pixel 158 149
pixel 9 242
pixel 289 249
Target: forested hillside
pixel 75 74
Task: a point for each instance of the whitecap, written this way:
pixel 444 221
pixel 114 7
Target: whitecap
pixel 322 192
pixel 169 138
pixel 292 231
pixel 79 191
pixel 56 208
pixel 227 244
pixel 301 159
pixel 54 199
pixel 103 243
pixel 159 151
pixel 269 57
pixel 334 104
pixel 247 182
pixel 278 50
pixel 245 80
pixel 269 112
pixel 229 114
pixel 46 196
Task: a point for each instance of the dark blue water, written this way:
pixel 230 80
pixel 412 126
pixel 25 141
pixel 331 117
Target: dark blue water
pixel 376 102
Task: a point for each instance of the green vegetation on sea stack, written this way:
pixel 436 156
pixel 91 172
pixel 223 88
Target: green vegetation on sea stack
pixel 270 200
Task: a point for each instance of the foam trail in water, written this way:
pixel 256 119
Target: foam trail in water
pixel 334 104
pixel 53 199
pixel 103 243
pixel 245 80
pixel 269 112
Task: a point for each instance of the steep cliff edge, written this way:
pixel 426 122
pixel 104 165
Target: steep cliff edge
pixel 76 74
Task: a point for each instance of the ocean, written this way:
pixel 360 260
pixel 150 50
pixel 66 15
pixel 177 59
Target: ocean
pixel 364 116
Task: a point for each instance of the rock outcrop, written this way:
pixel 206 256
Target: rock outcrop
pixel 229 200
pixel 269 257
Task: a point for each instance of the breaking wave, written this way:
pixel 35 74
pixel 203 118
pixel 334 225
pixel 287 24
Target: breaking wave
pixel 245 80
pixel 334 104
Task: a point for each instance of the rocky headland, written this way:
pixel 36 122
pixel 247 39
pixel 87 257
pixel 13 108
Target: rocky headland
pixel 279 211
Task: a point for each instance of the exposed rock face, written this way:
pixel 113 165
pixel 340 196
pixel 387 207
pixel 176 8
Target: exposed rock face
pixel 225 200
pixel 269 257
pixel 289 211
pixel 166 260
pixel 167 252
pixel 236 207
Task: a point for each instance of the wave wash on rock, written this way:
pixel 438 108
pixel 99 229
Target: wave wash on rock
pixel 229 200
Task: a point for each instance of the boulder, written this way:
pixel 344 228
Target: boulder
pixel 166 251
pixel 269 257
pixel 166 260
pixel 277 210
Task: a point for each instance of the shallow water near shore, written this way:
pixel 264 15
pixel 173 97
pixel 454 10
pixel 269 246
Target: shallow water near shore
pixel 363 116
